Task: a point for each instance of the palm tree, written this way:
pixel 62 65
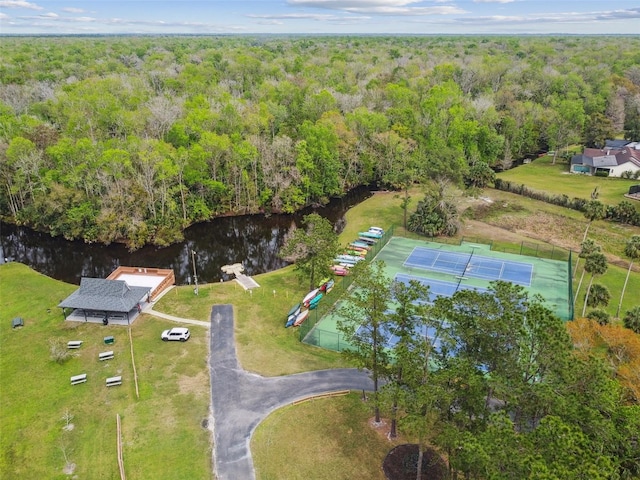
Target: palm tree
pixel 632 251
pixel 593 210
pixel 595 264
pixel 632 319
pixel 588 247
pixel 600 316
pixel 599 295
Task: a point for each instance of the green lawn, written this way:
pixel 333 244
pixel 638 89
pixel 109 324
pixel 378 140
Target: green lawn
pixel 163 430
pixel 322 440
pixel 541 175
pixel 613 279
pixel 263 344
pixel 162 438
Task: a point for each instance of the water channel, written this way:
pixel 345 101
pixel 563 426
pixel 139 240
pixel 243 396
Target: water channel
pixel 253 240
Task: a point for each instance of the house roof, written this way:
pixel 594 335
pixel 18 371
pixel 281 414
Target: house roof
pixel 629 154
pixel 577 159
pixel 608 157
pixel 604 161
pixel 105 295
pixel 616 143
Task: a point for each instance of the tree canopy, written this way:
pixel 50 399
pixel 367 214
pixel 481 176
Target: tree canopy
pixel 132 139
pixel 312 248
pixel 495 381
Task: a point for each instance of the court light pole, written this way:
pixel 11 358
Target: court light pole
pixel 195 273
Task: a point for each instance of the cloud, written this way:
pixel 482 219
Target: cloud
pixel 54 17
pixel 19 4
pixel 378 7
pixel 73 10
pixel 308 16
pixel 619 14
pixel 562 17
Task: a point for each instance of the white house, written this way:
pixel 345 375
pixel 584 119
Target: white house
pixel 616 158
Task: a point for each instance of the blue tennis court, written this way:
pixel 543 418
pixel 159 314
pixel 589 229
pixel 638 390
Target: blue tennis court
pixel 470 265
pixel 391 339
pixel 437 288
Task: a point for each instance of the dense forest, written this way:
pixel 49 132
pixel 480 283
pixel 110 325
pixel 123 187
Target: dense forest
pixel 134 138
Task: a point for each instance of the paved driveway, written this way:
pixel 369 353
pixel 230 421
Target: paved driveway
pixel 241 400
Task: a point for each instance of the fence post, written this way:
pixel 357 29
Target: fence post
pixel 521 247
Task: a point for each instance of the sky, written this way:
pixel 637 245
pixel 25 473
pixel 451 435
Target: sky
pixel 320 17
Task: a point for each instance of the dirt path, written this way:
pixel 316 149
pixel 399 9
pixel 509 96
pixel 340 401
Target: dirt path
pixel 484 230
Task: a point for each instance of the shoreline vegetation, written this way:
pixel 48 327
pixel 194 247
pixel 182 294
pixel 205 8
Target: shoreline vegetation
pixel 177 442
pixel 114 139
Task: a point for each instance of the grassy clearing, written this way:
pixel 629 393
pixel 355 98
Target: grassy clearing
pixel 542 175
pixel 162 439
pixel 263 344
pixel 613 279
pixel 550 223
pixel 321 439
pixel 383 209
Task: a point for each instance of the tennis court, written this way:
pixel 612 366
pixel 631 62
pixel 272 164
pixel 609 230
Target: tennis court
pixel 470 265
pixel 391 339
pixel 438 288
pixel 449 268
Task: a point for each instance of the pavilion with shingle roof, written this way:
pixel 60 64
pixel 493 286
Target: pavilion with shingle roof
pixel 107 299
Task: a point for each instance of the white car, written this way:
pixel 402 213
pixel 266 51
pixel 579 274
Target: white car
pixel 176 333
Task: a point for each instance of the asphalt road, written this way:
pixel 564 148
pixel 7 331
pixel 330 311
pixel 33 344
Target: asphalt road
pixel 241 400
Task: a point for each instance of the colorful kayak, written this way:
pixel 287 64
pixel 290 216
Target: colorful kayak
pixel 302 316
pixel 370 235
pixel 344 263
pixel 350 258
pixel 377 230
pixel 315 301
pixel 326 285
pixel 294 310
pixel 368 241
pixel 291 316
pixel 340 270
pixel 309 296
pixel 329 286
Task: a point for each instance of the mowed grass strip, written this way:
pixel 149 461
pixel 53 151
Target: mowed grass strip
pixel 541 175
pixel 323 439
pixel 263 344
pixel 162 434
pixel 613 279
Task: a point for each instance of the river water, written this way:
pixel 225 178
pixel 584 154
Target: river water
pixel 253 240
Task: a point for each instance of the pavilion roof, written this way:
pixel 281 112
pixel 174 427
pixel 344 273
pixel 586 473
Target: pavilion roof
pixel 105 295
